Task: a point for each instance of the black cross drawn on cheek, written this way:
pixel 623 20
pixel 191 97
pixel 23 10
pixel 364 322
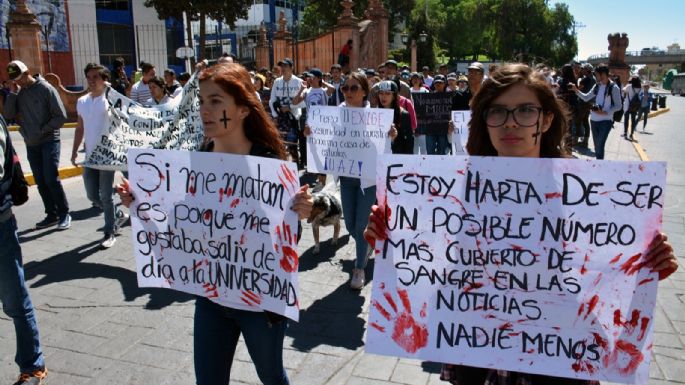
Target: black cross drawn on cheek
pixel 225 120
pixel 537 133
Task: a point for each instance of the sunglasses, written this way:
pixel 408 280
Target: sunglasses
pixel 352 88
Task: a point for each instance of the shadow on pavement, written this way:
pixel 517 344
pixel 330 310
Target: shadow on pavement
pixel 309 260
pixel 42 232
pixel 88 213
pixel 333 320
pixel 584 151
pixel 69 266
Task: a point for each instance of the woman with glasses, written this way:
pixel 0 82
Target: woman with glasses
pixel 516 114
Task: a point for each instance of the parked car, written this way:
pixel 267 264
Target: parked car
pixel 678 84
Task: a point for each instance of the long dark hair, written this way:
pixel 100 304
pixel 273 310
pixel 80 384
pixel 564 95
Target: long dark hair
pixel 552 144
pixel 259 128
pixel 361 78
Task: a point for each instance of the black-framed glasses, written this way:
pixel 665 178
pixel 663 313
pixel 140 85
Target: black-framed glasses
pixel 352 88
pixel 524 116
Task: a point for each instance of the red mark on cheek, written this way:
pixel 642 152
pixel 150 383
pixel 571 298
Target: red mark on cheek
pixel 235 203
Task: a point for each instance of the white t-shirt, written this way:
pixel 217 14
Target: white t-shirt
pixel 315 97
pixel 93 113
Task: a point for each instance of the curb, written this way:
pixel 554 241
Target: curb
pixel 64 173
pixel 641 151
pixel 14 127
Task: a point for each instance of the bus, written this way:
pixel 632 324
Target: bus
pixel 678 84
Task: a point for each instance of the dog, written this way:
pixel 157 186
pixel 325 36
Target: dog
pixel 326 211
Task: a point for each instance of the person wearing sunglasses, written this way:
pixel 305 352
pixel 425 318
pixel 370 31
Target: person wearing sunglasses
pixel 516 114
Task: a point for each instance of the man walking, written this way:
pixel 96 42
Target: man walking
pixel 607 97
pixel 92 118
pixel 16 302
pixel 40 113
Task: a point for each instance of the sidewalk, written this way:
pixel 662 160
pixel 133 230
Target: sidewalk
pixel 98 327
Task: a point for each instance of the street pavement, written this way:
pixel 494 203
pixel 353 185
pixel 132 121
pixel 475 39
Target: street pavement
pixel 98 327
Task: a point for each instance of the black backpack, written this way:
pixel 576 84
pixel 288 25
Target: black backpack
pixel 18 187
pixel 635 102
pixel 618 115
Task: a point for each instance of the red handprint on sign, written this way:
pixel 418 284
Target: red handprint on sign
pixel 407 332
pixel 625 351
pixel 286 246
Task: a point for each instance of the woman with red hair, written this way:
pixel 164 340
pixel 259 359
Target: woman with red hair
pixel 235 122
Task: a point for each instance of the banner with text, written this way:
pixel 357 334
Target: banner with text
pixel 433 111
pixel 218 226
pixel 346 141
pixel 529 265
pixel 460 135
pixel 172 126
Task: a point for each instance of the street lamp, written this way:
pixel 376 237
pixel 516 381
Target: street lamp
pixel 46 29
pixel 405 38
pixel 423 36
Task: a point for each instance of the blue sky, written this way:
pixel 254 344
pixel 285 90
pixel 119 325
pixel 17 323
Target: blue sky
pixel 648 23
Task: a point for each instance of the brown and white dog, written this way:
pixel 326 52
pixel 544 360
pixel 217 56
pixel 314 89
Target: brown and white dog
pixel 326 211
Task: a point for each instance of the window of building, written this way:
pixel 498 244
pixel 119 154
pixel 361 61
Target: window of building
pixel 112 5
pixel 115 40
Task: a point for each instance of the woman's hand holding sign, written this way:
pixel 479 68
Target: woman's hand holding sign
pixel 660 257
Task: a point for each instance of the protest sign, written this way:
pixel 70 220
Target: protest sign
pixel 174 125
pixel 460 136
pixel 521 264
pixel 346 141
pixel 433 111
pixel 218 226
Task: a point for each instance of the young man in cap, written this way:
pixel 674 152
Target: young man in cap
pixel 427 78
pixel 285 112
pixel 476 73
pixel 336 80
pixel 41 115
pixel 14 295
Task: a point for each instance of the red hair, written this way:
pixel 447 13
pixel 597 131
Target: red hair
pixel 259 128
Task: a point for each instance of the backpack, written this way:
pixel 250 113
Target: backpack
pixel 635 103
pixel 18 187
pixel 618 115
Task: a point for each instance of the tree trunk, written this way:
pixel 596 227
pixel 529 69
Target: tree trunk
pixel 202 36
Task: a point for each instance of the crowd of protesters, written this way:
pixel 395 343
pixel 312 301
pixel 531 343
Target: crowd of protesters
pixel 268 119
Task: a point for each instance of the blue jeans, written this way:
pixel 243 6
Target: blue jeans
pixel 44 161
pixel 643 112
pixel 99 190
pixel 600 133
pixel 217 329
pixel 436 144
pixel 16 302
pixel 356 204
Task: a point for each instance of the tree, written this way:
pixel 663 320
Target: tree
pixel 227 11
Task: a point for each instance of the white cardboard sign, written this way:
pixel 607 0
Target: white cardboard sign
pixel 460 135
pixel 346 141
pixel 217 225
pixel 530 265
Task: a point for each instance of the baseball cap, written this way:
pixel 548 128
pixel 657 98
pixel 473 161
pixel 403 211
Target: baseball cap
pixel 476 65
pixel 425 68
pixel 391 62
pixel 463 78
pixel 15 68
pixel 387 85
pixel 451 76
pixel 287 61
pixel 439 79
pixel 316 72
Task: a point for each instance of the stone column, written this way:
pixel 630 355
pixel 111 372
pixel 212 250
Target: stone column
pixel 25 34
pixel 262 49
pixel 347 28
pixel 379 15
pixel 618 43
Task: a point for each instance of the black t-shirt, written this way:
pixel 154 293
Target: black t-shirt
pixel 461 99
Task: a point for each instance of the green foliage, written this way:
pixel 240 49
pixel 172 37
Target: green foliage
pixel 509 30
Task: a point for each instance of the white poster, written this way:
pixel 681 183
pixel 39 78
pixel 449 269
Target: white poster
pixel 530 265
pixel 460 135
pixel 346 141
pixel 217 225
pixel 172 126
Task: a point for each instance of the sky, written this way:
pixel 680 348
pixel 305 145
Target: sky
pixel 648 23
